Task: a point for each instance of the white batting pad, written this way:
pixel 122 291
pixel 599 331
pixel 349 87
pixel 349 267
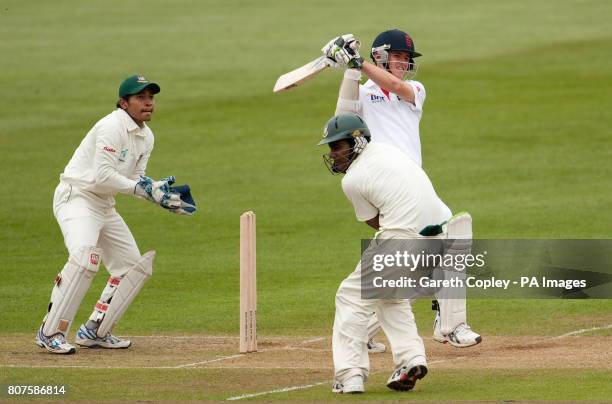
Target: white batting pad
pixel 128 288
pixel 458 232
pixel 71 285
pixel 459 226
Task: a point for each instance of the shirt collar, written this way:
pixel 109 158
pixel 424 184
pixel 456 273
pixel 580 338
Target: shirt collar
pixel 129 123
pixel 373 86
pixel 370 83
pixel 358 157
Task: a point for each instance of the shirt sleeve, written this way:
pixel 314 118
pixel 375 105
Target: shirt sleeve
pixel 106 162
pixel 364 210
pixel 419 94
pixel 141 164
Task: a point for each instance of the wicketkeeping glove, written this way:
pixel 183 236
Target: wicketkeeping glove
pixel 343 51
pixel 188 205
pixel 158 192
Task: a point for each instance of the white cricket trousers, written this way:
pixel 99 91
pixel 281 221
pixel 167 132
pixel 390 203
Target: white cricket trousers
pixel 87 219
pixel 350 335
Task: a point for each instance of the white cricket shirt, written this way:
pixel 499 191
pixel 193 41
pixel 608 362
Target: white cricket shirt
pixel 111 157
pixel 392 120
pixel 384 181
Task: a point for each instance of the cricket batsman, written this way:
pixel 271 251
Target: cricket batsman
pixel 391 103
pixel 394 196
pixel 111 159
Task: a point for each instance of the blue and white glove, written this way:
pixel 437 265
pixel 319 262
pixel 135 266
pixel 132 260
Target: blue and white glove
pixel 343 51
pixel 158 192
pixel 188 205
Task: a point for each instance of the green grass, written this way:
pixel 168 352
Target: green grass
pixel 515 130
pixel 489 385
pixel 444 385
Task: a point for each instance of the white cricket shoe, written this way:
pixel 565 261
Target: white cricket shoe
pixel 89 338
pixel 55 344
pixel 461 337
pixel 354 385
pixel 376 347
pixel 404 379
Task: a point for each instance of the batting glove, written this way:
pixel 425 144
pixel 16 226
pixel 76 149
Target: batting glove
pixel 343 51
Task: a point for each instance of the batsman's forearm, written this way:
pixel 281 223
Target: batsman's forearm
pixel 388 81
pixel 348 97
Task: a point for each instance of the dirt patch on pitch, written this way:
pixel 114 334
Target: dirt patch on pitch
pixel 528 353
pixel 313 355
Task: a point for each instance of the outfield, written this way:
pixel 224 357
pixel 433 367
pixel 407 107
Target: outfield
pixel 516 130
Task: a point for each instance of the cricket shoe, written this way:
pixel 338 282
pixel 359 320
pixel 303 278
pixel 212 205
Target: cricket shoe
pixel 404 379
pixel 376 347
pixel 88 337
pixel 55 344
pixel 461 337
pixel 354 385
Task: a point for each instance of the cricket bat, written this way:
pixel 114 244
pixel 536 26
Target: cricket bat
pixel 296 77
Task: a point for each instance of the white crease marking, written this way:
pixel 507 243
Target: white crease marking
pixel 310 341
pixel 281 390
pixel 584 330
pixel 308 386
pixel 223 358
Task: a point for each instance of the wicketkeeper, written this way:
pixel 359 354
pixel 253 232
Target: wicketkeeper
pixel 111 159
pixel 391 103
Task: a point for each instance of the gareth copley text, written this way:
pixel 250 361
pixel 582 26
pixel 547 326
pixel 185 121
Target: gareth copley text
pixel 473 282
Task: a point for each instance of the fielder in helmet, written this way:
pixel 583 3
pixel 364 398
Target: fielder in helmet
pixel 391 103
pixel 393 195
pixel 347 137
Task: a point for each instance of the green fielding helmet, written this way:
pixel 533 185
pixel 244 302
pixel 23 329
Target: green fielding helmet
pixel 346 126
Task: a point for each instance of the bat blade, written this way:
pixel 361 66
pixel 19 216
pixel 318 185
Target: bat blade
pixel 296 77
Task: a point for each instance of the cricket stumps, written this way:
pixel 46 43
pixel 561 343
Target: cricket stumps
pixel 248 284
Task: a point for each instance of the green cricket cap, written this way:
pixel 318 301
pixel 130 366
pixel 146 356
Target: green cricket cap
pixel 135 84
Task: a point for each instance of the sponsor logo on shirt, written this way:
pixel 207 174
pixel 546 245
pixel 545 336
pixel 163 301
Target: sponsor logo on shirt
pixel 374 99
pixel 109 149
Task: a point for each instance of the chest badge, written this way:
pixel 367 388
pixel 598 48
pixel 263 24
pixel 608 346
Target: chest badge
pixel 123 155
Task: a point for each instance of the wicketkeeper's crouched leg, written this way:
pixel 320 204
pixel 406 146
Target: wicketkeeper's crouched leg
pixel 114 301
pixel 71 285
